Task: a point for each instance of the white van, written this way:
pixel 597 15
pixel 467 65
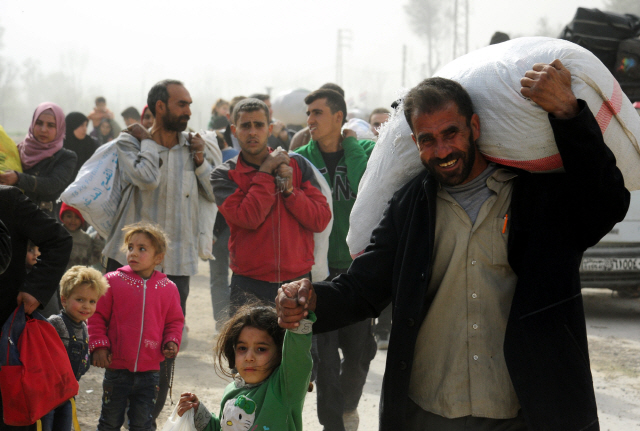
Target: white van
pixel 614 263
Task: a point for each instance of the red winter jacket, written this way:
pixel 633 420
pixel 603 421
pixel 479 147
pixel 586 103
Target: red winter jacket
pixel 135 319
pixel 267 230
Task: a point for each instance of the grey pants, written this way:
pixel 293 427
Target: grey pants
pixel 421 420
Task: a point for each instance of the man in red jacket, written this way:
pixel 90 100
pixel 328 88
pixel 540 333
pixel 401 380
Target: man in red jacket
pixel 269 199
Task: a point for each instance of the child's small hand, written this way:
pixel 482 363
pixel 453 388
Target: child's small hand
pixel 170 350
pixel 187 401
pixel 101 358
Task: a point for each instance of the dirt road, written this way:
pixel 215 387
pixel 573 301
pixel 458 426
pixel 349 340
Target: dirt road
pixel 614 339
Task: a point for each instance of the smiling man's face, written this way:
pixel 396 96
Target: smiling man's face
pixel 447 144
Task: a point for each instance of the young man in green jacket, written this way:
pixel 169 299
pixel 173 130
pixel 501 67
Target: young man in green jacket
pixel 342 159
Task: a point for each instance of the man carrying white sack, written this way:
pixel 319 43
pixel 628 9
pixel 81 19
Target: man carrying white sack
pixel 481 265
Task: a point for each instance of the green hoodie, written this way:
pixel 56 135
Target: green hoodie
pixel 344 187
pixel 274 404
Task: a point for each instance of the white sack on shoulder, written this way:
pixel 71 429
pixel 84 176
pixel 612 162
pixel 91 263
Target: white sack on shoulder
pixel 393 162
pixel 515 131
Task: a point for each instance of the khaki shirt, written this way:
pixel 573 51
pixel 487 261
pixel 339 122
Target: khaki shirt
pixel 459 367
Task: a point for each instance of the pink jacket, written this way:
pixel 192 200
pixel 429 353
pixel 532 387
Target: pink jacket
pixel 135 319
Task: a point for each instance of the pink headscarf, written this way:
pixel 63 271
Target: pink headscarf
pixel 33 151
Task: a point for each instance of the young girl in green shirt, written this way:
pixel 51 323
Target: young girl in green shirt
pixel 270 367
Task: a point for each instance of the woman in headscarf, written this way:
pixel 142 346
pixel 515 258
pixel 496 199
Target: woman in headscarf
pixel 104 132
pixel 146 119
pixel 47 167
pixel 77 139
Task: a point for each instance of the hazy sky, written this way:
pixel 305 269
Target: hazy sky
pixel 120 48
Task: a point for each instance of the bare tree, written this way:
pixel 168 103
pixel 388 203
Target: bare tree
pixel 8 90
pixel 425 18
pixel 623 6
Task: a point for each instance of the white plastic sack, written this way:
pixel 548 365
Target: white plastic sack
pixel 393 162
pixel 320 268
pixel 515 131
pixel 289 107
pixel 361 127
pixel 96 192
pixel 177 423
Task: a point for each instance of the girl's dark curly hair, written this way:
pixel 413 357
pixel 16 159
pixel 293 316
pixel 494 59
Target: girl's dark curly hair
pixel 257 315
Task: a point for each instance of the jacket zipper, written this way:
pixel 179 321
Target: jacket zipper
pixel 144 298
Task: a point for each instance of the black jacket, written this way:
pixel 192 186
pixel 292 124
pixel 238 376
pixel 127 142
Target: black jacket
pixel 46 181
pixel 554 218
pixel 25 221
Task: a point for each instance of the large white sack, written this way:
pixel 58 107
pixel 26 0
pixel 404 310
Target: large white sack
pixel 393 162
pixel 96 192
pixel 320 268
pixel 515 131
pixel 289 107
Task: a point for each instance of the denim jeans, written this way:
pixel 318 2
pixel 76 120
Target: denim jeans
pixel 120 386
pixel 60 418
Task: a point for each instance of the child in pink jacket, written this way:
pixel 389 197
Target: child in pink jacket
pixel 137 324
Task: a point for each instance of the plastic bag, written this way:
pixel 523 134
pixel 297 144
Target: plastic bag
pixel 361 127
pixel 320 268
pixel 96 192
pixel 289 107
pixel 9 156
pixel 177 423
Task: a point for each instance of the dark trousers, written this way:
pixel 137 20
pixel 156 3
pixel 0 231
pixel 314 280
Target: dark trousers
pixel 340 381
pixel 420 420
pixel 182 282
pixel 60 418
pixel 138 389
pixel 245 290
pixel 219 279
pixel 383 327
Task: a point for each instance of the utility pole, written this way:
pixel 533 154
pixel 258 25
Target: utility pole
pixel 466 26
pixel 455 27
pixel 404 63
pixel 344 39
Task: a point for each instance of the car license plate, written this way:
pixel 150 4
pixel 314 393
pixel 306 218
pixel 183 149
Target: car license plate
pixel 610 264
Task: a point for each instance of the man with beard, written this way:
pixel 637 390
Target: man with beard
pixel 162 171
pixel 481 263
